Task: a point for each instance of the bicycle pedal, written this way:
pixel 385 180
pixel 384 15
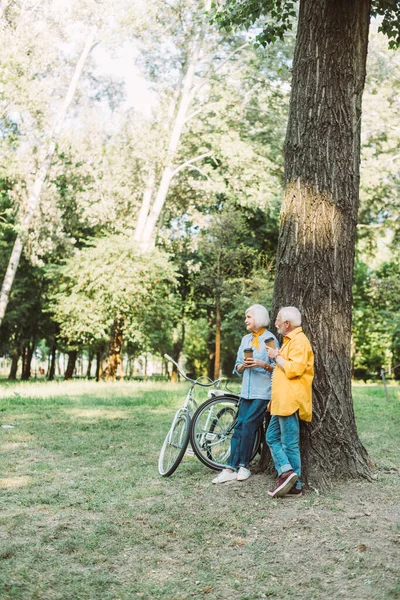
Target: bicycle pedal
pixel 189 452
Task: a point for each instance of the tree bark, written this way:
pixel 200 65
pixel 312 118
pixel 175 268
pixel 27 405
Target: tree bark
pixel 217 356
pixel 69 371
pixel 52 368
pixel 318 221
pixel 27 359
pixel 147 230
pixel 89 365
pixel 178 341
pixel 16 355
pixel 99 364
pixel 114 351
pixel 34 196
pixel 211 346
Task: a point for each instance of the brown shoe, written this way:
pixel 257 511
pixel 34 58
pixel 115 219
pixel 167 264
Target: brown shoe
pixel 294 493
pixel 285 484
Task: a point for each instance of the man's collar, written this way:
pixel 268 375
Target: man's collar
pixel 294 332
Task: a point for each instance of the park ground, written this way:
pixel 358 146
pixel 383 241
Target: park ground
pixel 85 515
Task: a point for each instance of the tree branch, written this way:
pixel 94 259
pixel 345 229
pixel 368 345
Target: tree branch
pixel 227 59
pixel 190 163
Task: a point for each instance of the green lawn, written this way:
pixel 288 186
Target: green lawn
pixel 85 515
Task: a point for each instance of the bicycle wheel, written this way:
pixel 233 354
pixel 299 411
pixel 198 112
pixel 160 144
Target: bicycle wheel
pixel 211 431
pixel 175 444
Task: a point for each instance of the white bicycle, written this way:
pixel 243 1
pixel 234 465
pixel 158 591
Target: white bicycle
pixel 177 439
pixel 209 427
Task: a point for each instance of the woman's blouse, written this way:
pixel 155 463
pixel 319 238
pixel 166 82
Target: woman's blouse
pixel 256 383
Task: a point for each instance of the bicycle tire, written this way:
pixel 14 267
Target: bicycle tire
pixel 211 431
pixel 174 446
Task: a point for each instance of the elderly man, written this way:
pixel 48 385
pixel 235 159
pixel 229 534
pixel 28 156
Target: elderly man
pixel 290 400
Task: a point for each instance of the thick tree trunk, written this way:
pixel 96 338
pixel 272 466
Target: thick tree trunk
pixel 16 355
pixel 69 371
pixel 318 221
pixel 27 359
pixel 114 351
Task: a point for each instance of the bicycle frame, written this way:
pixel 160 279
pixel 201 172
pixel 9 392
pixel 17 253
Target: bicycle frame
pixel 178 444
pixel 208 436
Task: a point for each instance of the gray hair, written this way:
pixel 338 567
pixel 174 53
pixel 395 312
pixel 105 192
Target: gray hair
pixel 259 314
pixel 291 314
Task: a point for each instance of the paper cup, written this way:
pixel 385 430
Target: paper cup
pixel 270 342
pixel 248 352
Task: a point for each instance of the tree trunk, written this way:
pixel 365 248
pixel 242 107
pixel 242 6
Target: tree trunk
pixel 211 347
pixel 34 196
pixel 99 364
pixel 89 365
pixel 217 356
pixel 114 351
pixel 16 355
pixel 27 359
pixel 178 341
pixel 69 371
pixel 318 221
pixel 52 367
pixel 173 144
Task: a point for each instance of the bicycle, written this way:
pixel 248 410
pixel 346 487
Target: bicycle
pixel 177 439
pixel 212 428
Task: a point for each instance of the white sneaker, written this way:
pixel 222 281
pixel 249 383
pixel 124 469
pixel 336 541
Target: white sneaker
pixel 243 474
pixel 225 476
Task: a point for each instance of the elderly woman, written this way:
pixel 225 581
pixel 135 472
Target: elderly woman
pixel 255 394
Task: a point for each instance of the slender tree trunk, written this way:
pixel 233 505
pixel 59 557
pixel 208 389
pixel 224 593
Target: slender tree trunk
pixel 145 206
pixel 34 197
pixel 69 371
pixel 52 368
pixel 89 365
pixel 217 357
pixel 114 351
pixel 211 347
pixel 16 355
pixel 318 221
pixel 99 364
pixel 176 132
pixel 178 341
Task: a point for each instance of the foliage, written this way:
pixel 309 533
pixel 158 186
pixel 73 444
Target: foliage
pixel 109 280
pixel 376 318
pixel 390 25
pixel 233 14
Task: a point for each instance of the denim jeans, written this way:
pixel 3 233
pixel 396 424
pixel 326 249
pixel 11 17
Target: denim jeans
pixel 250 417
pixel 283 439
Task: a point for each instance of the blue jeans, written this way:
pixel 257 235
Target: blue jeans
pixel 283 439
pixel 250 417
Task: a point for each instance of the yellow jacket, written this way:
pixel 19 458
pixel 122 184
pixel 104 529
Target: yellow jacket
pixel 291 386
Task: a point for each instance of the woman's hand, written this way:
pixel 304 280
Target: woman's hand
pixel 253 363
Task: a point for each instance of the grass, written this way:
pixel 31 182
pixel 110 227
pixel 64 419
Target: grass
pixel 85 515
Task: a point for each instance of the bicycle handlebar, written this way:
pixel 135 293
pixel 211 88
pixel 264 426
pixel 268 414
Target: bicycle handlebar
pixel 195 381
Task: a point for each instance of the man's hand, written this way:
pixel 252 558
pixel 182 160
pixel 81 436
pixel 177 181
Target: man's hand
pixel 272 353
